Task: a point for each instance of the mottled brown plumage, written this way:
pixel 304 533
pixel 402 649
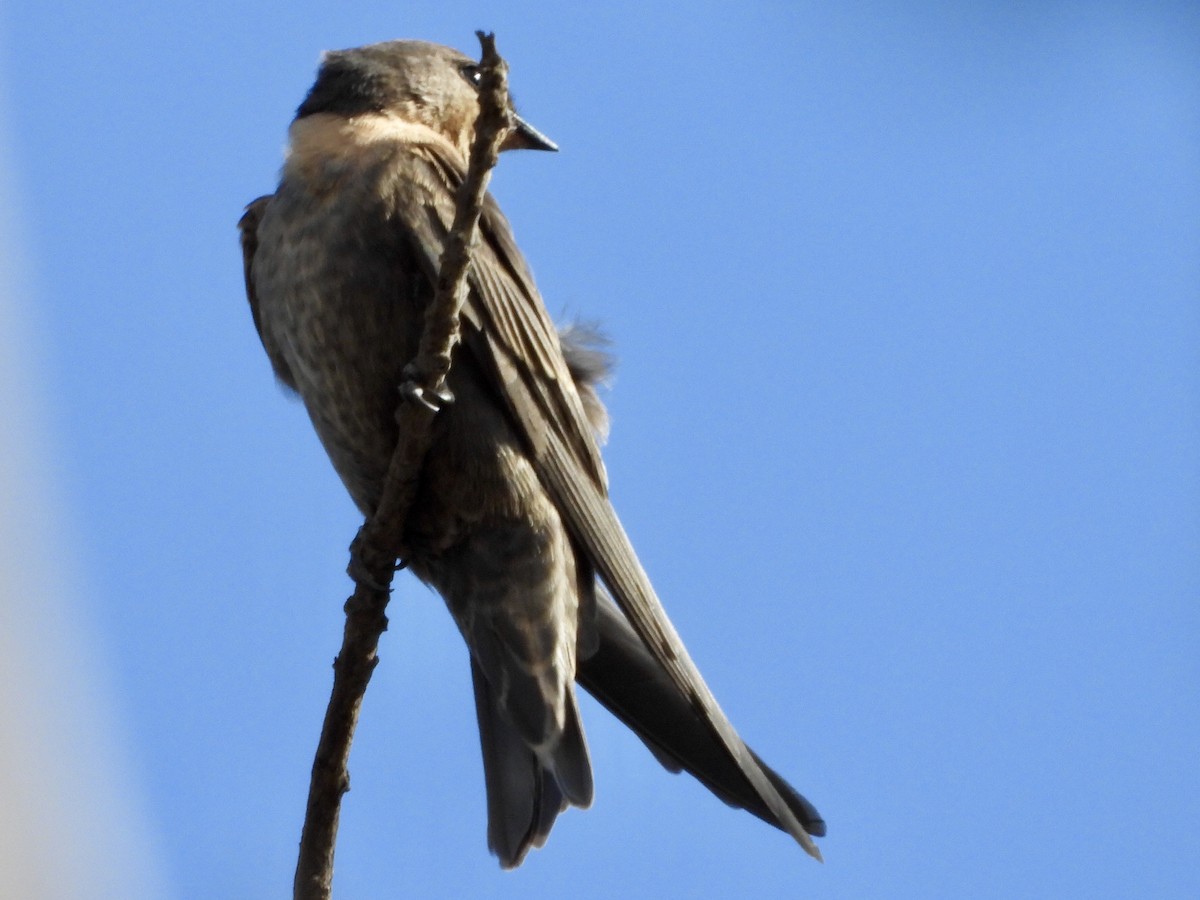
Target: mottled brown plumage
pixel 511 522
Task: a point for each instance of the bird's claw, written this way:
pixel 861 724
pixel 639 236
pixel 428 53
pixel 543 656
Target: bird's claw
pixel 360 572
pixel 432 399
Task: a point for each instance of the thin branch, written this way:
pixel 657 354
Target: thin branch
pixel 379 542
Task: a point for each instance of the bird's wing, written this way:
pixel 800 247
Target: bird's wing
pixel 248 228
pixel 507 329
pixel 506 323
pixel 623 676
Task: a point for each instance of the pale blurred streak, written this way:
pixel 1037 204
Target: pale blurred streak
pixel 71 821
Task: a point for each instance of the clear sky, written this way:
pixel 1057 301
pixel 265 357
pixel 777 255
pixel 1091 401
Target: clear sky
pixel 906 299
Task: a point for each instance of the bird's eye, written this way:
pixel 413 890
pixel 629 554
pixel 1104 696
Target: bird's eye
pixel 472 74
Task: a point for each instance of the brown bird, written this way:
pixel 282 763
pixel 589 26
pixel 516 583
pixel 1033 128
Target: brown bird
pixel 512 523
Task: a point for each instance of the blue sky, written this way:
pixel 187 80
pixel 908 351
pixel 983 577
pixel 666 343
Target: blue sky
pixel 906 431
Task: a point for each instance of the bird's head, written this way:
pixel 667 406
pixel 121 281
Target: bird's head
pixel 419 82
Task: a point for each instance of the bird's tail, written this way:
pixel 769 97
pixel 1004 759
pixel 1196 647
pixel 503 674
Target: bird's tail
pixel 523 793
pixel 626 678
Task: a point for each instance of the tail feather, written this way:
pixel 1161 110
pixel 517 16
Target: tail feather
pixel 525 794
pixel 570 761
pixel 624 677
pixel 523 799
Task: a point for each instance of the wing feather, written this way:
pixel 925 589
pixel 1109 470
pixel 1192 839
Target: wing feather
pixel 509 332
pixel 248 228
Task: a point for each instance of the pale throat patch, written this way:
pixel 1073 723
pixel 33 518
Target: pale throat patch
pixel 321 138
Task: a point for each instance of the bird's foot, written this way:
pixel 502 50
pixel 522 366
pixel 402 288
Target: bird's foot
pixel 433 399
pixel 361 571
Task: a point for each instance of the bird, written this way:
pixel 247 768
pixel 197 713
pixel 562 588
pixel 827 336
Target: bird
pixel 511 523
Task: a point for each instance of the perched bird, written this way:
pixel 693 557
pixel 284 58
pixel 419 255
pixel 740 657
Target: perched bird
pixel 511 523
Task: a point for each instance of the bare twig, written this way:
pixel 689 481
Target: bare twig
pixel 379 542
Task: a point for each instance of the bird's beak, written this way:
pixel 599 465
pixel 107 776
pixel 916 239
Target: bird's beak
pixel 525 137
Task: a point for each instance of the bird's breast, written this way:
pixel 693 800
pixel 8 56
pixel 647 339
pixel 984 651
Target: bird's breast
pixel 340 297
